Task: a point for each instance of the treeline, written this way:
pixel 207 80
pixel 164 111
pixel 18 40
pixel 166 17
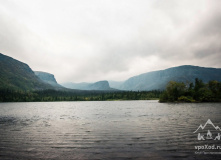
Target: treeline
pixel 8 95
pixel 189 92
pixel 174 92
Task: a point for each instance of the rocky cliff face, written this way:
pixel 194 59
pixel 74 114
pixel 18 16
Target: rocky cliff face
pixel 47 78
pixel 101 85
pixel 71 85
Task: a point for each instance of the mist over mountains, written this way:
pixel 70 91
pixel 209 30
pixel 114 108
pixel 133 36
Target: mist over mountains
pixel 157 80
pixel 100 85
pixel 18 75
pixel 48 78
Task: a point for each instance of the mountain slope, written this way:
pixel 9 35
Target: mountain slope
pixel 100 85
pixel 115 84
pixel 158 80
pixel 47 78
pixel 71 85
pixel 18 75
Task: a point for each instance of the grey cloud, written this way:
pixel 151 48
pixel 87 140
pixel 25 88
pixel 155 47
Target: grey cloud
pixel 11 36
pixel 85 41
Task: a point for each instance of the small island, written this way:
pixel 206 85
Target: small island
pixel 190 92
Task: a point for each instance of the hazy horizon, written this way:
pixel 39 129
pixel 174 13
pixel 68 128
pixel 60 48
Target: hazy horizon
pixel 89 41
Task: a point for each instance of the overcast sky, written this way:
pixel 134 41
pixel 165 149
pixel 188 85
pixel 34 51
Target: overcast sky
pixel 92 40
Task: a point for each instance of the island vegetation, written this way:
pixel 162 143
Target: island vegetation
pixel 192 92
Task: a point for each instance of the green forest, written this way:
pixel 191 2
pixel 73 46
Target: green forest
pixel 174 92
pixel 192 92
pixel 53 95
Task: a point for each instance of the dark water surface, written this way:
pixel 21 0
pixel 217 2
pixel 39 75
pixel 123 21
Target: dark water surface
pixel 104 130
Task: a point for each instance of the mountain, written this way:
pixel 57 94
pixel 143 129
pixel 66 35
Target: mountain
pixel 100 85
pixel 71 85
pixel 18 75
pixel 157 80
pixel 48 78
pixel 115 84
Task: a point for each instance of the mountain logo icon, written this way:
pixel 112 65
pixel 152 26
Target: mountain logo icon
pixel 210 124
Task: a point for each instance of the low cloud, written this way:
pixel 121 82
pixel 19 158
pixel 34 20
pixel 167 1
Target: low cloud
pixel 84 41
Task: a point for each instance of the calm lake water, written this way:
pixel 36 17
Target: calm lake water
pixel 105 130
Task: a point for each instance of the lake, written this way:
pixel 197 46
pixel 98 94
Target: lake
pixel 105 130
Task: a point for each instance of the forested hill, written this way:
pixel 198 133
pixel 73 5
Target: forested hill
pixel 157 80
pixel 18 75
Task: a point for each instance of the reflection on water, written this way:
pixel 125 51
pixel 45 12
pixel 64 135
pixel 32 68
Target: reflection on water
pixel 103 130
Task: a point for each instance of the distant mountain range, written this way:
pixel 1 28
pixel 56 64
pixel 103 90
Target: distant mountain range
pixel 100 85
pixel 18 75
pixel 157 80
